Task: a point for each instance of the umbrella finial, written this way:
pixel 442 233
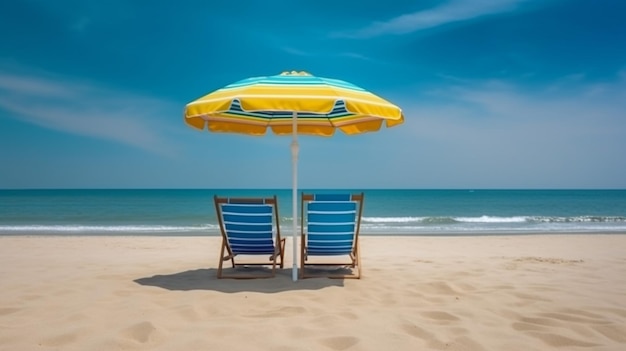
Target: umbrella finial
pixel 295 73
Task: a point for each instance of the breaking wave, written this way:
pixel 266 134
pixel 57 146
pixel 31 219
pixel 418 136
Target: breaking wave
pixel 107 229
pixel 477 224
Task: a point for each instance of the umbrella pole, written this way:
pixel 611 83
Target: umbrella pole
pixel 294 192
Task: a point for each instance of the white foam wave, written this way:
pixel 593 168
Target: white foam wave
pixel 392 219
pixel 431 220
pixel 491 219
pixel 105 229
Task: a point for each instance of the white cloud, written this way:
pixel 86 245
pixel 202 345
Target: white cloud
pixel 453 11
pixel 356 55
pixel 83 109
pixel 326 55
pixel 499 134
pixel 296 52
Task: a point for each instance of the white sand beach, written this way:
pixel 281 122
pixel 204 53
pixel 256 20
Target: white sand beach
pixel 531 292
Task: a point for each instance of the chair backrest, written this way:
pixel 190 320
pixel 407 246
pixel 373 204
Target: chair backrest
pixel 332 222
pixel 248 224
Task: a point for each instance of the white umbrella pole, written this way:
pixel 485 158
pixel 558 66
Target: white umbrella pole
pixel 294 193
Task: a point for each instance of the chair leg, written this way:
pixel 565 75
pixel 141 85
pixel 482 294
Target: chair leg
pixel 274 265
pixel 302 259
pixel 219 266
pixel 354 263
pixel 282 253
pixel 358 261
pixel 279 253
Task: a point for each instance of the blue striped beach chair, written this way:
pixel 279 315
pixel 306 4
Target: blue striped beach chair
pixel 249 228
pixel 330 228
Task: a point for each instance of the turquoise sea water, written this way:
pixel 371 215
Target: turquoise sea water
pixel 405 212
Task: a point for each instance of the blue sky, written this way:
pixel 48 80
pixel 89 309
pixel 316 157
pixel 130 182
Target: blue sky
pixel 496 93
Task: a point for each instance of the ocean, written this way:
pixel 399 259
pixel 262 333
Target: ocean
pixel 189 212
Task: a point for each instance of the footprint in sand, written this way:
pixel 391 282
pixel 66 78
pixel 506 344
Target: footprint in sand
pixel 141 332
pixel 339 342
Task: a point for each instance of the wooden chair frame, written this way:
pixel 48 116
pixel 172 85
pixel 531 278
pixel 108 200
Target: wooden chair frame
pixel 353 259
pixel 226 252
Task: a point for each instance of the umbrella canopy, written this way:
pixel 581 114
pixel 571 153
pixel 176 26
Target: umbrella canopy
pixel 292 103
pixel 252 105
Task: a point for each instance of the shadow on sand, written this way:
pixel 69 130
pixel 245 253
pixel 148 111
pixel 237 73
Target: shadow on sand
pixel 206 279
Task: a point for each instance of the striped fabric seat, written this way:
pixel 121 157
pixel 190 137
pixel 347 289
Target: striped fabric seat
pixel 248 226
pixel 330 224
pixel 331 227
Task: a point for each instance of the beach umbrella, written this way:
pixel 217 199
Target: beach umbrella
pixel 292 103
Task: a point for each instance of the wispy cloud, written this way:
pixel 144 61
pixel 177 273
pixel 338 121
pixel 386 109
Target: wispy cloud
pixel 345 54
pixel 579 106
pixel 527 136
pixel 356 55
pixel 453 11
pixel 296 52
pixel 83 109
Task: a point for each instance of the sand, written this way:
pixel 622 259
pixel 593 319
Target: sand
pixel 532 292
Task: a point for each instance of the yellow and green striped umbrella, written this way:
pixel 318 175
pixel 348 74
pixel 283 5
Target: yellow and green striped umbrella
pixel 322 105
pixel 292 103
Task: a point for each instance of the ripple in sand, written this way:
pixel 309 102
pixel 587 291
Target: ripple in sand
pixel 440 316
pixel 616 311
pixel 61 339
pixel 568 317
pixel 281 312
pixel 30 297
pixel 348 315
pixel 301 331
pixel 547 322
pixel 77 318
pixel 616 333
pixel 422 261
pixel 123 293
pixel 323 321
pixel 557 340
pixel 417 332
pixel 526 299
pixel 522 326
pixel 188 313
pixel 582 313
pixel 463 343
pixel 8 310
pixel 441 288
pixel 551 260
